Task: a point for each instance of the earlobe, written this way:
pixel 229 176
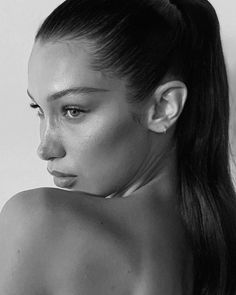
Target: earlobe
pixel 166 106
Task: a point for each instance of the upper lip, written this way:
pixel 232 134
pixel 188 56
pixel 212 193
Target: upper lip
pixel 60 174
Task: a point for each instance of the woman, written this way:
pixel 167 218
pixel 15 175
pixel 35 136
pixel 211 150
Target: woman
pixel 133 104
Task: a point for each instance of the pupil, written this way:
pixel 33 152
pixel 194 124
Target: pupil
pixel 74 112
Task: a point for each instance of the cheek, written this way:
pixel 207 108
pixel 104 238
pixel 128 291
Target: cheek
pixel 105 147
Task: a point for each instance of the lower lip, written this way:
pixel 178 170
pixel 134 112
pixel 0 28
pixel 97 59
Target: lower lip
pixel 66 182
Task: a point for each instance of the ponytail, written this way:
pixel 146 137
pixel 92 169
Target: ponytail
pixel 207 196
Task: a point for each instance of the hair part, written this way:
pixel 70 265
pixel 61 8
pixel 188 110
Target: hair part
pixel 143 41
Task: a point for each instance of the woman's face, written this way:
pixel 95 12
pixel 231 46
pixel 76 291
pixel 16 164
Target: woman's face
pixel 86 126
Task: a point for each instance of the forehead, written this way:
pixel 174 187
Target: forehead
pixel 59 65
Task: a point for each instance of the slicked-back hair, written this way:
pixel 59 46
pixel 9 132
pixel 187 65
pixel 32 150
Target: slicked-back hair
pixel 143 41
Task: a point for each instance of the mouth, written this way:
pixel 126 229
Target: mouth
pixel 60 174
pixel 63 180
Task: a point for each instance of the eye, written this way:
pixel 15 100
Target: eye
pixel 36 106
pixel 72 112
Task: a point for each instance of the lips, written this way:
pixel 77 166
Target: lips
pixel 60 174
pixel 64 180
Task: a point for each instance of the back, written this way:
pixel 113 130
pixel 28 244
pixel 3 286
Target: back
pixel 87 245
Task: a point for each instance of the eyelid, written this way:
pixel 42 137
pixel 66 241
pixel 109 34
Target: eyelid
pixel 64 109
pixel 67 108
pixel 36 106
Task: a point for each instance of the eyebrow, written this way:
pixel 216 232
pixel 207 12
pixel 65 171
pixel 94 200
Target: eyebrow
pixel 73 90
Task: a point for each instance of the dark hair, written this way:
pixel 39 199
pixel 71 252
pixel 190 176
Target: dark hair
pixel 144 41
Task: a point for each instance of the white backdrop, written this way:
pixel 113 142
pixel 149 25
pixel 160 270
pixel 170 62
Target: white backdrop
pixel 20 168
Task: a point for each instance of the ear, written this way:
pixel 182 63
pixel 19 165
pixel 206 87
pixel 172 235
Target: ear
pixel 166 106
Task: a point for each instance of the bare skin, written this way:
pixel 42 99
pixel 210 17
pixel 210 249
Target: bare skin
pixel 57 242
pixel 76 243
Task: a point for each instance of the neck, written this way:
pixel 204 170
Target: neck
pixel 158 168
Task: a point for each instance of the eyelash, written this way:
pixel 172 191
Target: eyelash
pixel 65 110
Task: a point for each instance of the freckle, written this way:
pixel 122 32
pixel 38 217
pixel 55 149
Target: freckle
pixel 18 251
pixel 112 288
pixel 101 222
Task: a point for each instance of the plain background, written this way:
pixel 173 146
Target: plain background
pixel 20 168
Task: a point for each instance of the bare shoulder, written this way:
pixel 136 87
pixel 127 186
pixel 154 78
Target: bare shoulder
pixel 21 220
pixel 59 242
pixel 25 200
pixel 28 214
pixel 23 214
pixel 54 243
pixel 20 213
pixel 32 207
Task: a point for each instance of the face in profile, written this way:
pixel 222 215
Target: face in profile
pixel 87 129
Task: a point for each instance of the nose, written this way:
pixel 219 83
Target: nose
pixel 50 146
